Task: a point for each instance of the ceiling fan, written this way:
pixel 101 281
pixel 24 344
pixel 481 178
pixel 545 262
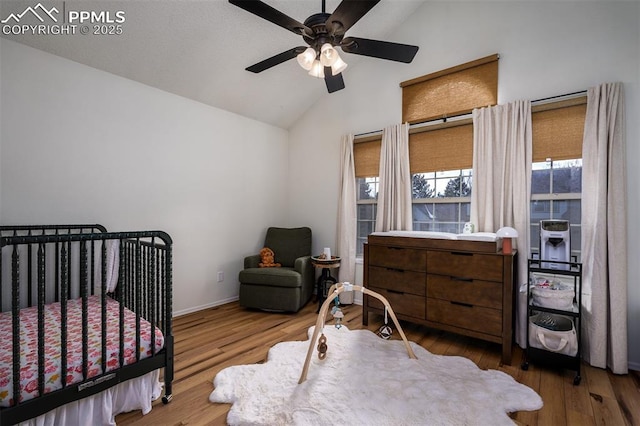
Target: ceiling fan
pixel 323 32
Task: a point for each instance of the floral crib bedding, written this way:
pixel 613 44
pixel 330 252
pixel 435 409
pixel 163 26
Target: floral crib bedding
pixel 29 345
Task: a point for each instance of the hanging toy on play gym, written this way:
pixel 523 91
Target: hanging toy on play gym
pixel 385 330
pixel 337 313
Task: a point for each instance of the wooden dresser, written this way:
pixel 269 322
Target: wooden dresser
pixel 461 286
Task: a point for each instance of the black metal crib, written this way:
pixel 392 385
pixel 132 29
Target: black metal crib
pixel 60 264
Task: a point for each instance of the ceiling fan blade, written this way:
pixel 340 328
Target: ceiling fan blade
pixel 348 13
pixel 333 82
pixel 267 12
pixel 276 60
pixel 379 49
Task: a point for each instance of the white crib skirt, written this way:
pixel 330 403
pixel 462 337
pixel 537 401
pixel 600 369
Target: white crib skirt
pixel 102 408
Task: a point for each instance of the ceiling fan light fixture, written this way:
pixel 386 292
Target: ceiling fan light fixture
pixel 306 58
pixel 338 66
pixel 324 33
pixel 328 55
pixel 317 69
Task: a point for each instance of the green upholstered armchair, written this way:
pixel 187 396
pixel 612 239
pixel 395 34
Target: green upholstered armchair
pixel 286 288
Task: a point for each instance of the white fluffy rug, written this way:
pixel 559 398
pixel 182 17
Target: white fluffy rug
pixel 366 380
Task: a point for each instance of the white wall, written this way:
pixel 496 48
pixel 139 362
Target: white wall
pixel 84 146
pixel 546 49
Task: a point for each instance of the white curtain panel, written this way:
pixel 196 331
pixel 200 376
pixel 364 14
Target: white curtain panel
pixel 347 213
pixel 502 183
pixel 604 239
pixel 394 194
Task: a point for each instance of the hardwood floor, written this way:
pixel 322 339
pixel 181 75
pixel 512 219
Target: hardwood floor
pixel 210 340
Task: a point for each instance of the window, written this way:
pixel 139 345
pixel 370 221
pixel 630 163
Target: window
pixel 367 165
pixel 441 200
pixel 556 191
pixel 452 91
pixel 367 210
pixel 440 161
pixel 440 157
pixel 556 170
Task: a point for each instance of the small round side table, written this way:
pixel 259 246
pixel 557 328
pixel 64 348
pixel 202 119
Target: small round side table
pixel 325 280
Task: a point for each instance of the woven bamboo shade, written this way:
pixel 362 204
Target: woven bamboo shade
pixel 558 129
pixel 453 91
pixel 367 157
pixel 442 147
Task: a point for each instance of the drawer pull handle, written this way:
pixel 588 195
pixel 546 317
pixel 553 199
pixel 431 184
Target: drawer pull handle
pixel 467 305
pixel 458 253
pixel 467 280
pixel 395 269
pixel 394 291
pixel 395 248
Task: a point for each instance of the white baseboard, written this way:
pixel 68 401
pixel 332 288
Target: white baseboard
pixel 201 307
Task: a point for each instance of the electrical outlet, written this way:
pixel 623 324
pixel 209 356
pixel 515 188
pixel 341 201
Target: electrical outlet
pixel 220 276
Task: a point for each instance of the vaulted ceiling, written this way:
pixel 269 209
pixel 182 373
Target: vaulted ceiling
pixel 199 49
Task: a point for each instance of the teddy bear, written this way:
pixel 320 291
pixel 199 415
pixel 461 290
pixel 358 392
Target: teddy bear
pixel 266 259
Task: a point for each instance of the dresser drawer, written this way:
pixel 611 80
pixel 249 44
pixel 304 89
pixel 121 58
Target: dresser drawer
pixel 486 267
pixel 398 280
pixel 402 303
pixel 475 318
pixel 399 258
pixel 475 292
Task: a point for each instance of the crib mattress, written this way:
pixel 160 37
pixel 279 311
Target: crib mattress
pixel 53 381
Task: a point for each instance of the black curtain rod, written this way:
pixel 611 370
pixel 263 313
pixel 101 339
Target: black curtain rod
pixel 445 118
pixel 580 92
